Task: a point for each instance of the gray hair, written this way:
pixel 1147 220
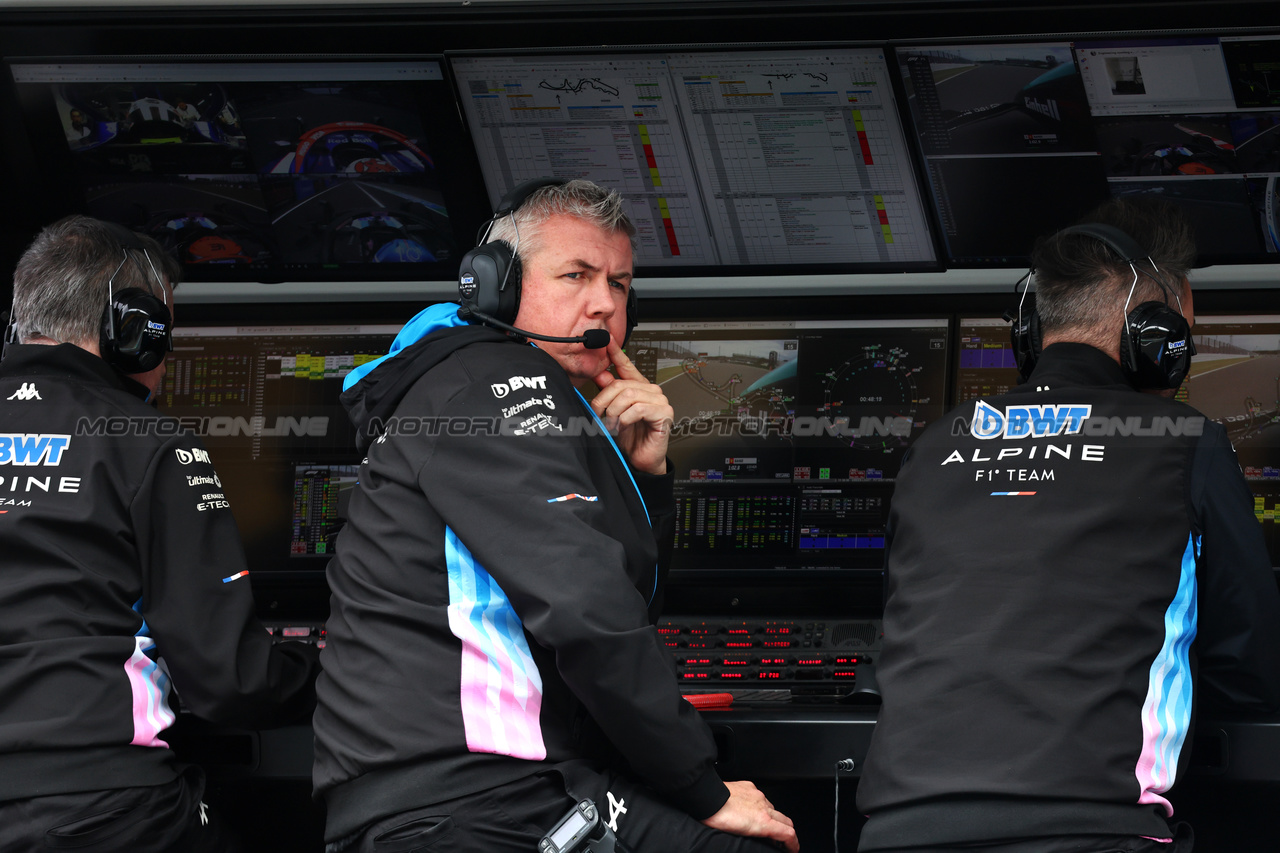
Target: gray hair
pixel 1080 281
pixel 582 199
pixel 60 283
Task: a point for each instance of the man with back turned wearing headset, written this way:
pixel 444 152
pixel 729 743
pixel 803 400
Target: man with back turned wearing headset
pixel 1067 564
pixel 491 657
pixel 122 576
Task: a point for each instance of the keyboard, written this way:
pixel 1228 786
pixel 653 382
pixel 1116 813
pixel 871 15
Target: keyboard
pixel 770 660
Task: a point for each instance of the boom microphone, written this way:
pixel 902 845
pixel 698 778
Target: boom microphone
pixel 591 338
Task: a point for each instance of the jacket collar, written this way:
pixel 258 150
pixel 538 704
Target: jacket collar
pixel 67 361
pixel 1072 365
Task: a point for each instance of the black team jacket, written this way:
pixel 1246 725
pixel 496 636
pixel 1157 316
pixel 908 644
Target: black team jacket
pixel 1065 561
pixel 121 577
pixel 494 590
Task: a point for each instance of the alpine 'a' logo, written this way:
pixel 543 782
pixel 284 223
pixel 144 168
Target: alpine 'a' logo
pixel 26 392
pixel 617 808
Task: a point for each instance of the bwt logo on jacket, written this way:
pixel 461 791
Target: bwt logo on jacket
pixel 515 383
pixel 195 454
pixel 19 448
pixel 1027 421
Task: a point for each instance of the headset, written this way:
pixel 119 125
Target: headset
pixel 489 278
pixel 10 333
pixel 1155 340
pixel 137 327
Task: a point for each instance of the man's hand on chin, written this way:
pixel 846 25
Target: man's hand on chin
pixel 637 412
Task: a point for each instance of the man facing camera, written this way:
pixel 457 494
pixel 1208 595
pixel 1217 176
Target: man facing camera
pixel 123 575
pixel 1062 560
pixel 491 657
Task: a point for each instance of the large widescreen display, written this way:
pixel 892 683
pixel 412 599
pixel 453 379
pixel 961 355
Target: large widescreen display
pixel 788 433
pixel 1235 380
pixel 788 436
pixel 763 159
pixel 1021 139
pixel 264 400
pixel 263 170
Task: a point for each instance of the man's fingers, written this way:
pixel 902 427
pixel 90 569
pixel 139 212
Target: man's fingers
pixel 626 369
pixel 620 393
pixel 659 416
pixel 604 379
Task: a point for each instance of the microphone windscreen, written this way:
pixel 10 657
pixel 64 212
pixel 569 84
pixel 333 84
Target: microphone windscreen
pixel 595 338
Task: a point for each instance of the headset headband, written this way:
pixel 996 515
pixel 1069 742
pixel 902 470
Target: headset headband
pixel 1113 238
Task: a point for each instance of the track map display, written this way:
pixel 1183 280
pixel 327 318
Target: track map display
pixel 1235 380
pixel 788 434
pixel 830 403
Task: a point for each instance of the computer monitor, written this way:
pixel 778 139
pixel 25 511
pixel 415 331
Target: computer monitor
pixel 264 399
pixel 288 168
pixel 985 364
pixel 762 159
pixel 1021 139
pixel 788 436
pixel 1235 381
pixel 1170 126
pixel 1007 142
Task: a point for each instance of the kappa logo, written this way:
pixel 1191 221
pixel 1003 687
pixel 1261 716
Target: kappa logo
pixel 1028 421
pixel 195 454
pixel 26 392
pixel 515 383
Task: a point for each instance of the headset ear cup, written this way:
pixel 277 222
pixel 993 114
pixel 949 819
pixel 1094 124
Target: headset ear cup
pixel 509 295
pixel 1035 337
pixel 481 274
pixel 1128 353
pixel 633 314
pixel 1025 336
pixel 137 331
pixel 1155 346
